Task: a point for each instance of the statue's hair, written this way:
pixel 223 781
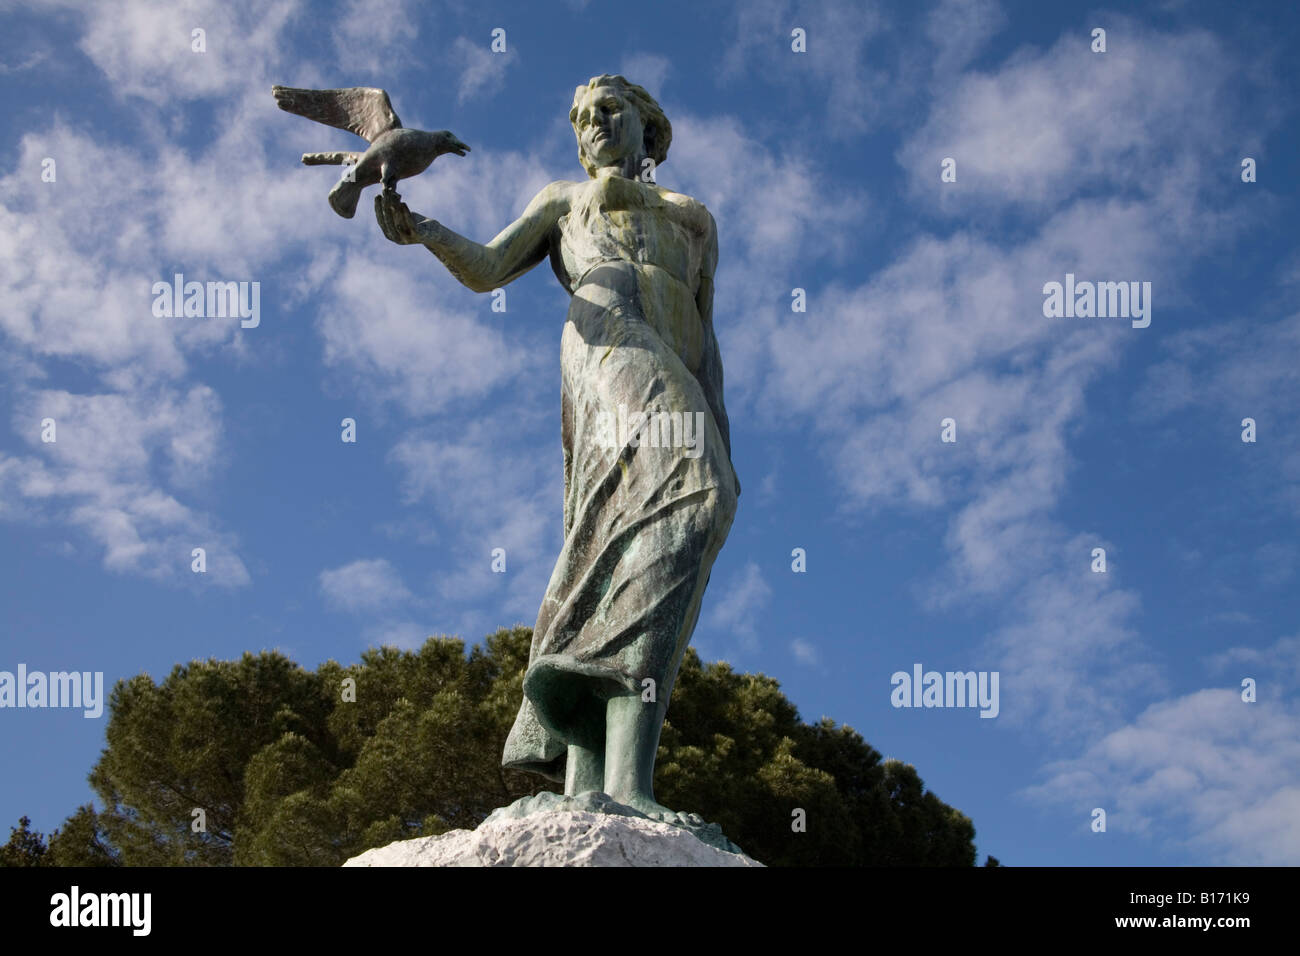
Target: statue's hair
pixel 658 131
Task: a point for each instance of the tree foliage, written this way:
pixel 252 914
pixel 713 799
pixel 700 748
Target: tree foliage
pixel 77 843
pixel 260 762
pixel 26 847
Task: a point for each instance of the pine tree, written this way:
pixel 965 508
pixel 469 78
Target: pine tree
pixel 26 847
pixel 260 762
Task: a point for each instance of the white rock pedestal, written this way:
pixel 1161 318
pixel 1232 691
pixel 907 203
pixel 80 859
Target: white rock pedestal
pixel 557 837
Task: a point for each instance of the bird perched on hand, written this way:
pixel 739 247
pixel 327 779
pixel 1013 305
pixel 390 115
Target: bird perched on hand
pixel 395 153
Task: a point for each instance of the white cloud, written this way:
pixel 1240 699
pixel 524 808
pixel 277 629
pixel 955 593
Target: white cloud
pixel 1071 660
pixel 401 634
pixel 1244 368
pixel 489 490
pixel 1281 659
pixel 835 71
pixel 386 327
pixel 1205 764
pixel 953 327
pixel 798 210
pixel 78 287
pixel 364 585
pixel 144 49
pixel 103 473
pixel 483 72
pixel 960 29
pixel 33 58
pixel 805 652
pixel 735 607
pixel 373 36
pixel 803 216
pixel 647 70
pixel 1047 127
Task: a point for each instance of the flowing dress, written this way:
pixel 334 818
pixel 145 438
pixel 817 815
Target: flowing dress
pixel 642 524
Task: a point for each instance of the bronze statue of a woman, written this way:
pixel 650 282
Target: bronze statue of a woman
pixel 643 519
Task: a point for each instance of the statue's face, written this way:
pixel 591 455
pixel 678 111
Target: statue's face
pixel 609 127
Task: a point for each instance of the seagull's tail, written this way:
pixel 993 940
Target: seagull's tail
pixel 344 196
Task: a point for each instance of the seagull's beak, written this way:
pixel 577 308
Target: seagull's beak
pixel 460 149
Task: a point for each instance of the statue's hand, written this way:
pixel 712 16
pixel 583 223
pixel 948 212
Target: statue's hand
pixel 398 223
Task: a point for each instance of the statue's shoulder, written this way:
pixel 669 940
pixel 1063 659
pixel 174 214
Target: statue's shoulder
pixel 690 208
pixel 565 187
pixel 558 195
pixel 679 199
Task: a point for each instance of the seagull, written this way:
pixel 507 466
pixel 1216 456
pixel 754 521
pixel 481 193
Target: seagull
pixel 395 153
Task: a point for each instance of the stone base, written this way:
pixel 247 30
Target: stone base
pixel 554 830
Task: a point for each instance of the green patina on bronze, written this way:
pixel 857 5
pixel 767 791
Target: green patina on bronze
pixel 642 524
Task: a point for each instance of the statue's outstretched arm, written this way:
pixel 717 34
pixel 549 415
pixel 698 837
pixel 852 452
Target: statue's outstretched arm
pixel 482 268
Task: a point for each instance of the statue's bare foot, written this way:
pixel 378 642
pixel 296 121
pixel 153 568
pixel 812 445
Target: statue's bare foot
pixel 657 811
pixel 646 804
pixel 682 819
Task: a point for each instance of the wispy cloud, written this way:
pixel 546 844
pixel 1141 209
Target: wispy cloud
pixel 364 585
pixel 736 605
pixel 482 71
pixel 1194 765
pixel 104 475
pixel 489 491
pixel 649 70
pixel 805 652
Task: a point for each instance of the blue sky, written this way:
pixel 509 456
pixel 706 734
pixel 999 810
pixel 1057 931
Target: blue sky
pixel 1119 690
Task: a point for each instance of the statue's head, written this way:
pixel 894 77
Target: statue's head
pixel 613 119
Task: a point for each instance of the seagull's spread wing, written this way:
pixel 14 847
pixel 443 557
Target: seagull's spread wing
pixel 363 110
